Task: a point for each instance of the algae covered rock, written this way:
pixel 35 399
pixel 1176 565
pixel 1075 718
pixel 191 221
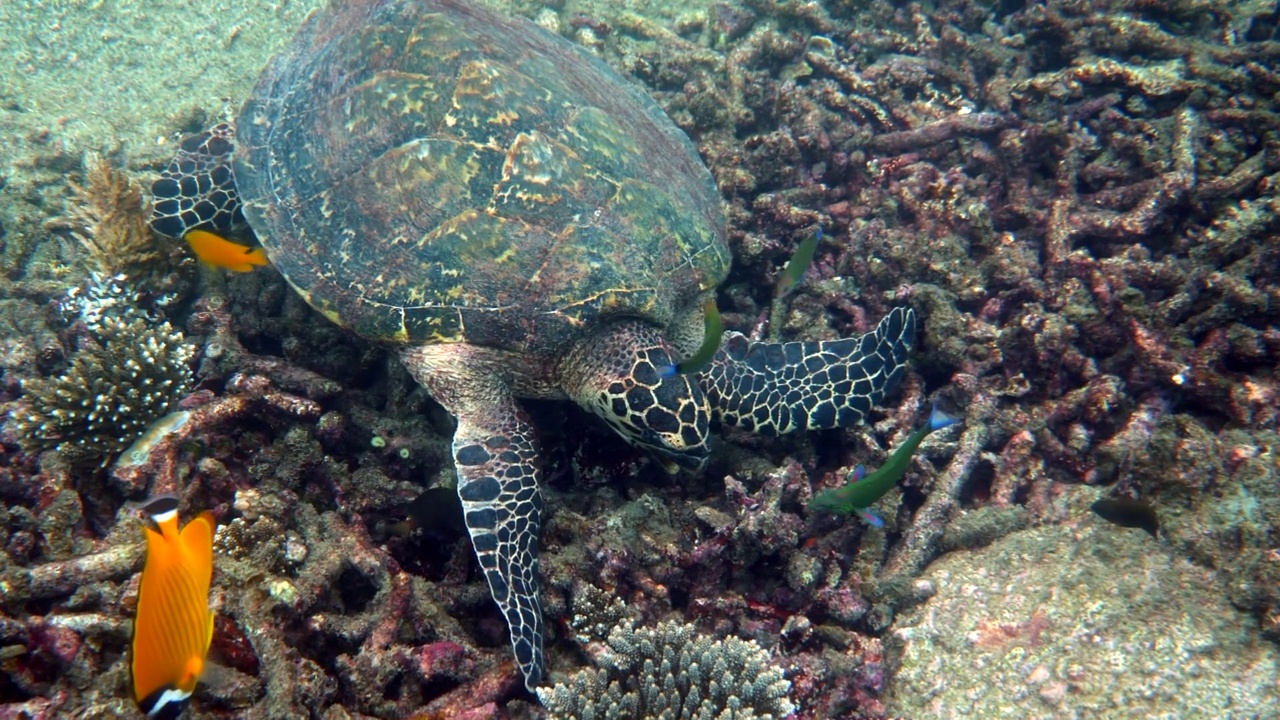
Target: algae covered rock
pixel 1082 619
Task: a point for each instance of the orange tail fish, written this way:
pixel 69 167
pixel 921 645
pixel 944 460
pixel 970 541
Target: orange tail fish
pixel 221 252
pixel 174 625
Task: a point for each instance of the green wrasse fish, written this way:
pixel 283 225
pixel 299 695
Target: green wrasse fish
pixel 863 490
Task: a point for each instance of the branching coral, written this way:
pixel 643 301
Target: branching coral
pixel 671 671
pixel 127 375
pixel 595 613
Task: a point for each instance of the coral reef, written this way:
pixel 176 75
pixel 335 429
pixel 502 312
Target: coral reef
pixel 129 371
pixel 671 671
pixel 1081 200
pixel 108 217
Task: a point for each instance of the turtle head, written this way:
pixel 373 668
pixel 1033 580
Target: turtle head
pixel 618 375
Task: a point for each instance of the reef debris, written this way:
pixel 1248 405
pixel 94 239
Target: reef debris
pixel 1080 201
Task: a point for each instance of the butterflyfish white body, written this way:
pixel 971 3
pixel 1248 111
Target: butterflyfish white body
pixel 174 626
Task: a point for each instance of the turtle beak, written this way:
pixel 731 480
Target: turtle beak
pixel 675 462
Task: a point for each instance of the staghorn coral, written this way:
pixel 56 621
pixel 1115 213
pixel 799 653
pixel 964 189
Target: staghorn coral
pixel 672 671
pixel 129 372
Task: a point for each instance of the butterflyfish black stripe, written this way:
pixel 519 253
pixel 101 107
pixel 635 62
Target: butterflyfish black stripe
pixel 160 505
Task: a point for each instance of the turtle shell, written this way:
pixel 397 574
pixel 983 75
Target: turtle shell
pixel 431 172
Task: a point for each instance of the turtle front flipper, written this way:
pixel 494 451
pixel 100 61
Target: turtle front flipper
pixel 198 188
pixel 496 456
pixel 776 388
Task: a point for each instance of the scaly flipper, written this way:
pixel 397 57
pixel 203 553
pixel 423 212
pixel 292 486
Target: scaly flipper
pixel 496 454
pixel 198 189
pixel 776 388
pixel 496 457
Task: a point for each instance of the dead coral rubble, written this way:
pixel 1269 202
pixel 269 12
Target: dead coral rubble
pixel 1083 197
pixel 311 611
pixel 1081 200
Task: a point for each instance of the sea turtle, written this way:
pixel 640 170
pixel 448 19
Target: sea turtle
pixel 519 222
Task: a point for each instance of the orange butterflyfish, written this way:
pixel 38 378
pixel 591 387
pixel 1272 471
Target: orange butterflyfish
pixel 221 252
pixel 174 625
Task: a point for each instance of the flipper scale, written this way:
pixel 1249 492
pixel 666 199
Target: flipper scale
pixel 777 388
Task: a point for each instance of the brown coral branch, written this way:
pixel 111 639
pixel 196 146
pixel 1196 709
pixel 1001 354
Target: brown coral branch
pixel 1016 467
pixel 65 576
pixel 923 537
pixel 225 354
pixel 940 131
pixel 108 217
pixel 159 470
pixel 288 678
pixel 1240 179
pixel 477 700
pixel 1119 454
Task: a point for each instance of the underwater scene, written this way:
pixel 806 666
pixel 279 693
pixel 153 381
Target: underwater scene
pixel 605 359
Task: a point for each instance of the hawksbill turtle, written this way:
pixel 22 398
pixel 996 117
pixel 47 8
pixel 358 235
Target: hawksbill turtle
pixel 518 221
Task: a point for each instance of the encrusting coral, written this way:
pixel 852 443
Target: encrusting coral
pixel 672 671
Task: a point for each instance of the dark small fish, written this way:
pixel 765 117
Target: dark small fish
pixel 1128 513
pixel 438 512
